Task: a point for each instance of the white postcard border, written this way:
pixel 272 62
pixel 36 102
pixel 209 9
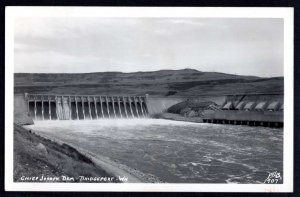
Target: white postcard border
pixel 286 13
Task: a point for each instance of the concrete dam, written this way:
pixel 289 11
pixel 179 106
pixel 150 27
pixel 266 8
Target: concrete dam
pixel 251 110
pixel 85 107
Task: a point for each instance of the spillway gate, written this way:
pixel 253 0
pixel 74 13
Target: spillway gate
pixel 85 107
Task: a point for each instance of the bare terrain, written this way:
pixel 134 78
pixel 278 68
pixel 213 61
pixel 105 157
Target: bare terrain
pixel 35 156
pixel 186 82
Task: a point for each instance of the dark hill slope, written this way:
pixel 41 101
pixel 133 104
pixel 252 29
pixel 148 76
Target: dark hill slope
pixel 186 82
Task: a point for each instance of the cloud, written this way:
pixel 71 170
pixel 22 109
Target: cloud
pixel 242 46
pixel 181 21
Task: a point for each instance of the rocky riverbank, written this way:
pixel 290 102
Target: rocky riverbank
pixel 177 117
pixel 37 159
pixel 189 111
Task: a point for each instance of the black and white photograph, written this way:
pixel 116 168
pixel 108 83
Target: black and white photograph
pixel 149 99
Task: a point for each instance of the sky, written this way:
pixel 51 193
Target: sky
pixel 241 46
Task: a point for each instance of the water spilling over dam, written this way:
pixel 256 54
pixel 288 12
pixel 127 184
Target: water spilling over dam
pixel 85 107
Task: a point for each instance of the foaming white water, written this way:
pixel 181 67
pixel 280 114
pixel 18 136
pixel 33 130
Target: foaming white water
pixel 175 151
pixel 113 122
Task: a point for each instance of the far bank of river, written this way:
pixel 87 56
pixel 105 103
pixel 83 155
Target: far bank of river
pixel 177 117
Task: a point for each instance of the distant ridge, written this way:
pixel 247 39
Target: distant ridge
pixel 187 70
pixel 184 82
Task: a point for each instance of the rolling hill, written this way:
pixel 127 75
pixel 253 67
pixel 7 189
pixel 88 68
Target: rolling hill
pixel 185 82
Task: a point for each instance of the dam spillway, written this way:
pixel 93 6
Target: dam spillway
pixel 85 107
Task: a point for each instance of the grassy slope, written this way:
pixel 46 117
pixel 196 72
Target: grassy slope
pixel 186 82
pixel 60 160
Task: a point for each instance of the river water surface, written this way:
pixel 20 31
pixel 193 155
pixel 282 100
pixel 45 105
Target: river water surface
pixel 177 152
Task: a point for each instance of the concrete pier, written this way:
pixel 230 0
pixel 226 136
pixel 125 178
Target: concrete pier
pixel 77 107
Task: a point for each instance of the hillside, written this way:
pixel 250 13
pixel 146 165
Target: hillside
pixel 35 156
pixel 186 82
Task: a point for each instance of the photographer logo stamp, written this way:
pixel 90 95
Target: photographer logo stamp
pixel 273 178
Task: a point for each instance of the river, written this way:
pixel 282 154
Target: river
pixel 177 152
